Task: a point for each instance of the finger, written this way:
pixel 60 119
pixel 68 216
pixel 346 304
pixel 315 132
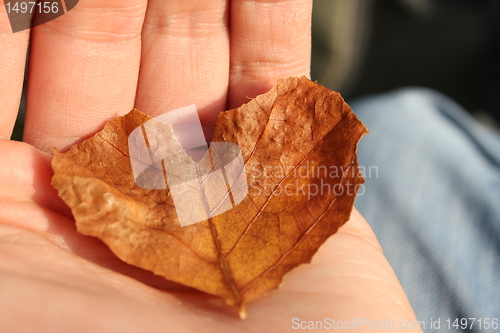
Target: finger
pixel 83 70
pixel 14 46
pixel 26 175
pixel 269 40
pixel 185 57
pixel 359 228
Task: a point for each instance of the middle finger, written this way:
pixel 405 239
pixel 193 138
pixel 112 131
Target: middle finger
pixel 185 57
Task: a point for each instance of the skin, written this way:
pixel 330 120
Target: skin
pixel 97 62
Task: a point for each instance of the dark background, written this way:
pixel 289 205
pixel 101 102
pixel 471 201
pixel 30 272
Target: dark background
pixel 452 46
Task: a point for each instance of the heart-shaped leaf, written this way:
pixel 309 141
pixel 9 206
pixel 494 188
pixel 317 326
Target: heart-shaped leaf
pixel 298 144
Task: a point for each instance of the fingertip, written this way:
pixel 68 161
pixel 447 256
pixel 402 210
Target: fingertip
pixel 359 227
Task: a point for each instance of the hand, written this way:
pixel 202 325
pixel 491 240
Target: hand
pixel 97 62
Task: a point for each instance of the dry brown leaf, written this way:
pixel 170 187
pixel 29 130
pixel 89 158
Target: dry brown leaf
pixel 298 143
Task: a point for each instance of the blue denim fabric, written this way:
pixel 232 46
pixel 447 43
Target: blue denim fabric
pixel 435 203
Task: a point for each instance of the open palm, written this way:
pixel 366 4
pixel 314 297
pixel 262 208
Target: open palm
pixel 97 62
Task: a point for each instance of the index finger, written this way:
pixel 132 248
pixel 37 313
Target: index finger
pixel 14 47
pixel 83 70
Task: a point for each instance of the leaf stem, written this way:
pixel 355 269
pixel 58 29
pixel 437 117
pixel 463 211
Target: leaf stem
pixel 226 271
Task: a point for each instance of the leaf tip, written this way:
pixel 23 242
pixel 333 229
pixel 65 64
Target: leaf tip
pixel 242 311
